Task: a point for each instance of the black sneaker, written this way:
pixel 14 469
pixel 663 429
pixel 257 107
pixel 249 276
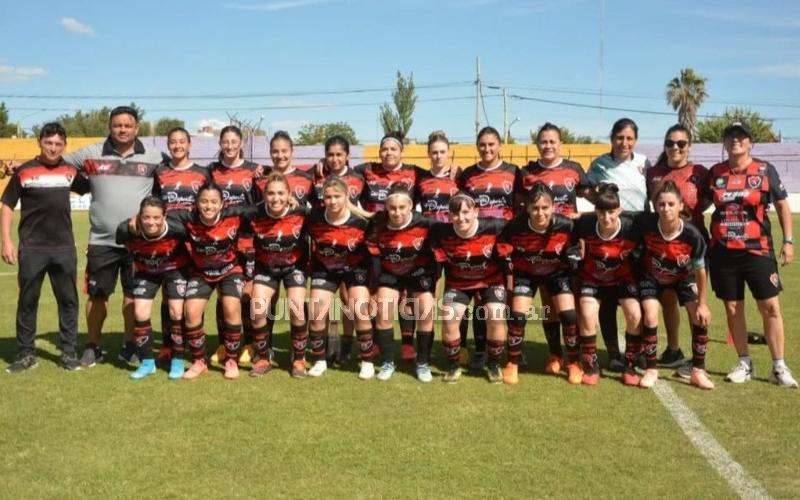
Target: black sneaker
pixel 70 362
pixel 91 356
pixel 345 349
pixel 615 363
pixel 128 354
pixel 24 361
pixel 671 358
pixel 477 363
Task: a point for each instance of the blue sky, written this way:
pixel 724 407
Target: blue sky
pixel 283 50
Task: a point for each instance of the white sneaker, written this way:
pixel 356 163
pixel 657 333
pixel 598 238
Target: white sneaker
pixel 741 373
pixel 320 367
pixel 367 370
pixel 783 377
pixel 386 372
pixel 424 373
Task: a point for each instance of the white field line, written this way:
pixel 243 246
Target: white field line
pixel 740 481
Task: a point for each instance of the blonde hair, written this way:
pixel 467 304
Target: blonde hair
pixel 341 186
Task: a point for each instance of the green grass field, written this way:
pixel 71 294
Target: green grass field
pixel 97 434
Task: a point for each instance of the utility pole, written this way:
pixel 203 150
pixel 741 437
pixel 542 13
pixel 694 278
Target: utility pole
pixel 505 117
pixel 477 95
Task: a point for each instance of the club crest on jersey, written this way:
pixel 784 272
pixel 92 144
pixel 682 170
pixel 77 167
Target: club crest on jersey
pixel 352 244
pixel 425 283
pixel 141 168
pixel 774 279
pixel 754 182
pixel 487 251
pixel 247 184
pixel 195 186
pixel 353 191
pixel 682 260
pixel 569 183
pixel 499 292
pixel 418 243
pixel 508 187
pixel 299 192
pixel 232 233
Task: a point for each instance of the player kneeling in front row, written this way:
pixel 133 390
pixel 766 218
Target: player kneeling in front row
pixel 159 257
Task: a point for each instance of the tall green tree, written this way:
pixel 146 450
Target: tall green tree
pixel 400 116
pixel 164 125
pixel 686 93
pixel 711 129
pixel 318 133
pixel 6 129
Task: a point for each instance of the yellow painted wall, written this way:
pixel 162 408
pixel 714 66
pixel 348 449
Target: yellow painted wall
pixel 519 154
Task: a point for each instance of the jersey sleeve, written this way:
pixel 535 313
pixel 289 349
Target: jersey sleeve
pixel 698 247
pixel 123 233
pixel 13 191
pixel 80 184
pixel 776 190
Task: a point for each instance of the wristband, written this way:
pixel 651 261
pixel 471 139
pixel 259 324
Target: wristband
pixel 789 240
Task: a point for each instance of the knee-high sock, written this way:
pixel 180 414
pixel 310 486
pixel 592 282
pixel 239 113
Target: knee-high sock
pixel 143 336
pixel 699 343
pixel 299 341
pixel 516 336
pixel 424 347
pixel 650 346
pixel 233 341
pixel 196 338
pixel 569 327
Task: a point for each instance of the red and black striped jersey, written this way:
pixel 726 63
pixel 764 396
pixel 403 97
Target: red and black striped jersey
pixel 607 261
pixel 337 247
pixel 158 255
pixel 351 177
pixel 671 260
pixel 535 253
pixel 237 183
pixel 740 220
pixel 690 179
pixel 433 194
pixel 565 179
pixel 401 250
pixel 213 248
pixel 378 180
pixel 177 187
pixel 492 189
pixel 469 263
pixel 278 241
pixel 301 185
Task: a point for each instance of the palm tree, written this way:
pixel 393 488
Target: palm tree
pixel 685 94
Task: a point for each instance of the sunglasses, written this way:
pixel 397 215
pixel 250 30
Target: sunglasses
pixel 680 144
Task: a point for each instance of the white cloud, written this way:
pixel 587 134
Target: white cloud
pixel 214 123
pixel 75 26
pixel 9 74
pixel 273 6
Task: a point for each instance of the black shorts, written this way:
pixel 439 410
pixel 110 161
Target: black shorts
pixel 103 264
pixel 493 293
pixel 731 269
pixel 685 289
pixel 330 280
pixel 525 285
pixel 291 276
pixel 231 285
pixel 146 286
pixel 623 290
pixel 420 280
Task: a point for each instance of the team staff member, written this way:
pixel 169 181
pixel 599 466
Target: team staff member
pixel 160 259
pixel 673 259
pixel 674 165
pixel 566 179
pixel 624 168
pixel 46 244
pixel 742 188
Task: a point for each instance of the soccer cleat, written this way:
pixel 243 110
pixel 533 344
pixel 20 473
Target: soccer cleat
pixel 463 357
pixel 630 377
pixel 367 370
pixel 699 378
pixel 164 354
pixel 261 368
pixel 685 370
pixel 452 375
pixel 199 367
pixel 318 368
pixel 553 366
pixel 231 369
pixel 649 379
pixel 176 369
pixel 218 355
pixel 478 362
pixel 24 361
pixel 741 373
pixel 424 373
pixel 344 353
pixel 299 368
pixel 69 361
pixel 146 368
pixel 386 372
pixel 246 357
pixel 783 377
pixel 616 364
pixel 91 356
pixel 408 353
pixel 671 358
pixel 511 373
pixel 127 354
pixel 494 374
pixel 590 378
pixel 574 373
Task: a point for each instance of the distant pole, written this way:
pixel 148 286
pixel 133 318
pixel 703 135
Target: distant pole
pixel 505 117
pixel 477 95
pixel 602 36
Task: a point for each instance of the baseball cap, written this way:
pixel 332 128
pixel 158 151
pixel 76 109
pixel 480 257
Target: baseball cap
pixel 737 127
